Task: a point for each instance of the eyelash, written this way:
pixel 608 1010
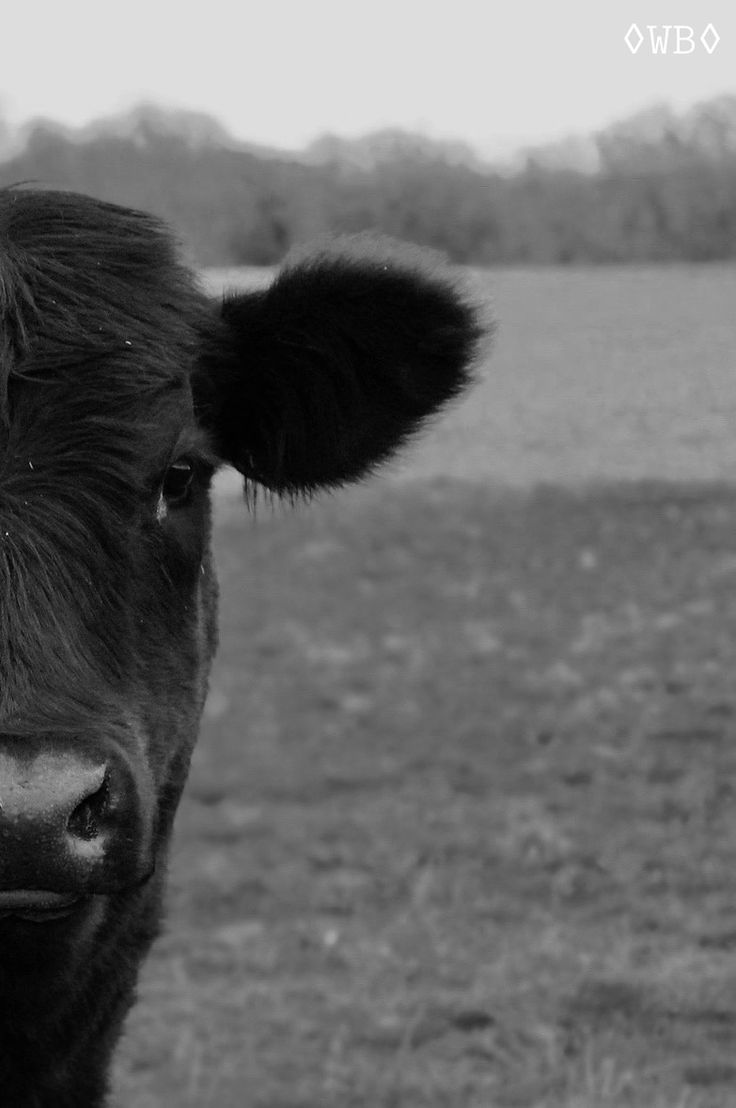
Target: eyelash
pixel 177 483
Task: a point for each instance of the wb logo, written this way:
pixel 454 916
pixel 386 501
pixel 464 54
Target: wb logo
pixel 671 38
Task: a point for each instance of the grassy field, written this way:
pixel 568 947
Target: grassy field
pixel 461 827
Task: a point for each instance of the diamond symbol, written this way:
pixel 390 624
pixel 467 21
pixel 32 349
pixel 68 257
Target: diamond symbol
pixel 710 38
pixel 634 38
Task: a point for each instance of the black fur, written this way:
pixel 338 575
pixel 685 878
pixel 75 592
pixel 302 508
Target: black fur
pixel 114 364
pixel 338 362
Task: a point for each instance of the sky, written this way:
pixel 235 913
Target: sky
pixel 495 73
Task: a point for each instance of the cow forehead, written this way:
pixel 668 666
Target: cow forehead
pixel 90 417
pixel 92 296
pixel 97 348
pixel 101 353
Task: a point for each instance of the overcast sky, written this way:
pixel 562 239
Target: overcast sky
pixel 493 72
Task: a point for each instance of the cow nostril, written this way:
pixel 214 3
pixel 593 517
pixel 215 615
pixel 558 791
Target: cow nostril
pixel 84 822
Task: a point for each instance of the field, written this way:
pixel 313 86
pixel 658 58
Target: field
pixel 461 827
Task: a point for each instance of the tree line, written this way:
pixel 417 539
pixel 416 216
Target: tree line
pixel 232 207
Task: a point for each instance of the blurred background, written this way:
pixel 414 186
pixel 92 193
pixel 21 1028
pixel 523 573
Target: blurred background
pixel 460 830
pixel 517 134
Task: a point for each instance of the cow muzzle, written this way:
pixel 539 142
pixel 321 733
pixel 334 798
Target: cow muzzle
pixel 73 823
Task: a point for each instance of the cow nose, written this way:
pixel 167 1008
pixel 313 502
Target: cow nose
pixel 68 823
pixel 69 808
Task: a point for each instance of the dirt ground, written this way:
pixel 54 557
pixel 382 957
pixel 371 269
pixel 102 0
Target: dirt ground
pixel 461 827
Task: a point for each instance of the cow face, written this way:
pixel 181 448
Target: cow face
pixel 122 388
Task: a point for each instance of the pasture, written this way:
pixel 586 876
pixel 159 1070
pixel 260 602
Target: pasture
pixel 461 827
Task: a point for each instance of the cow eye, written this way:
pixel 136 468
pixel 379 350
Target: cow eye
pixel 178 482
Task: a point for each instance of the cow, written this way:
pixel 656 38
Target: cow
pixel 124 387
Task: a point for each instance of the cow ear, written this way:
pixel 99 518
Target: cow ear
pixel 324 374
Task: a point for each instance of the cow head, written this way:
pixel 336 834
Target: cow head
pixel 122 388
